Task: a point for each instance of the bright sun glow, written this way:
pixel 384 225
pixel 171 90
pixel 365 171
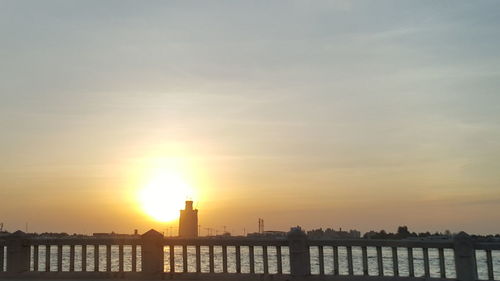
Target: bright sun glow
pixel 164 195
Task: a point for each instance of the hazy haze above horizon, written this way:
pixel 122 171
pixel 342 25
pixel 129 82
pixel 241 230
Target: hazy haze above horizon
pixel 352 114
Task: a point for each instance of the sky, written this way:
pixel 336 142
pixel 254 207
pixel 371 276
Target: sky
pixel 345 114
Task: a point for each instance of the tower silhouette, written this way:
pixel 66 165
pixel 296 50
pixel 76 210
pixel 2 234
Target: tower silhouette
pixel 188 221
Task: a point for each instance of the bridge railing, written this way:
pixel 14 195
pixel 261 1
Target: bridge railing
pixel 400 253
pixel 43 253
pixel 231 254
pixel 295 255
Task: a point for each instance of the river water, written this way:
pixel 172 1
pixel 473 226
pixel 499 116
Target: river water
pixel 272 260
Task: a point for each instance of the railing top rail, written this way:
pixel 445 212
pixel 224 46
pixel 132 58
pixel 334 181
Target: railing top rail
pixel 383 243
pixel 200 241
pixel 233 241
pixel 487 245
pixel 84 241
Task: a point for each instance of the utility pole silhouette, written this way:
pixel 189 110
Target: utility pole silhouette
pixel 208 229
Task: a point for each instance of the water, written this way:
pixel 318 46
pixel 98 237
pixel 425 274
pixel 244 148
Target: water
pixel 272 260
pixel 231 259
pixel 127 258
pixel 403 267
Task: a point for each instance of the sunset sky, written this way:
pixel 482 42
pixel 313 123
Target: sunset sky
pixel 354 114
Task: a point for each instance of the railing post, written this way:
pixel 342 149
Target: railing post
pixel 120 258
pixel 251 259
pixel 84 257
pixel 72 258
pixel 18 253
pixel 184 259
pixel 238 259
pixel 300 264
pixel 2 246
pixel 152 252
pixel 465 257
pixel 35 258
pixel 198 259
pixel 134 257
pixel 279 260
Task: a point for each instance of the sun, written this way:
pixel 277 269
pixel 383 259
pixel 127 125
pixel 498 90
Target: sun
pixel 164 195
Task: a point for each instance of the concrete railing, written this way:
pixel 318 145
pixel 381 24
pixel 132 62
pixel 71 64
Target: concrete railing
pixel 152 255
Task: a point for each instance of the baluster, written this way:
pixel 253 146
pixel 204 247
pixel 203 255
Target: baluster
pixel 72 258
pixel 198 259
pixel 2 254
pixel 238 259
pixel 442 269
pixel 279 260
pixel 211 258
pixel 489 261
pixel 321 261
pixel 224 259
pixel 120 258
pixel 395 262
pixel 349 260
pixel 96 258
pixel 172 258
pixel 47 258
pixel 35 258
pixel 108 257
pixel 364 252
pixel 380 263
pixel 426 262
pixel 134 258
pixel 411 267
pixel 265 259
pixel 335 260
pixel 184 259
pixel 84 258
pixel 252 259
pixel 59 258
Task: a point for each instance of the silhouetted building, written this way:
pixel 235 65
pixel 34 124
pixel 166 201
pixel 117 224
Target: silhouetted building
pixel 333 234
pixel 188 221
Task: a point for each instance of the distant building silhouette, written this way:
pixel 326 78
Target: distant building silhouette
pixel 268 234
pixel 188 221
pixel 330 233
